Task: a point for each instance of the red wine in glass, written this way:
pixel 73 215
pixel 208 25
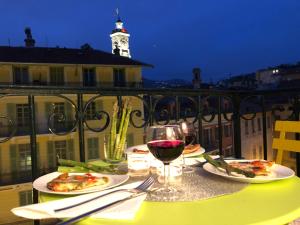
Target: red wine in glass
pixel 166 150
pixel 189 138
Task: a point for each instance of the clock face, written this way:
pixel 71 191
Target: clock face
pixel 123 41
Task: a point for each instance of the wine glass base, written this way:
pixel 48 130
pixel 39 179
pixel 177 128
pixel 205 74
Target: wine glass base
pixel 187 169
pixel 166 194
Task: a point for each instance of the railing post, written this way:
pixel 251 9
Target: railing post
pixel 80 127
pixel 33 147
pixel 264 122
pixel 297 118
pixel 220 135
pixel 177 109
pixel 200 136
pixel 237 126
pixel 151 111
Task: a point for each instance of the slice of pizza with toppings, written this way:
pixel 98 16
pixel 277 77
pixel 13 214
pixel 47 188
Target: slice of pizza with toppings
pixel 258 167
pixel 66 183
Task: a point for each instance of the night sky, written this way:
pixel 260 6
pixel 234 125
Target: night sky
pixel 222 37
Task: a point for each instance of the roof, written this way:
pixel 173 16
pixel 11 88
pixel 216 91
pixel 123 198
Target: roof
pixel 64 56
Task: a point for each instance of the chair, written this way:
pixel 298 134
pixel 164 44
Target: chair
pixel 283 144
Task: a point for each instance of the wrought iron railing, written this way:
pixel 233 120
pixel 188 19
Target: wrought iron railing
pixel 157 106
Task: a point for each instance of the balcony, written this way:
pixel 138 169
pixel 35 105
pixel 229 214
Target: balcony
pixel 220 117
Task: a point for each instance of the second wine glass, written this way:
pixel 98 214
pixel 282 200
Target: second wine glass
pixel 189 133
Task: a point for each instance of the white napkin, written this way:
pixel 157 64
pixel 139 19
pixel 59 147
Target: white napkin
pixel 126 210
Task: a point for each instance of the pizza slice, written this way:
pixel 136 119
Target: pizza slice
pixel 258 167
pixel 67 183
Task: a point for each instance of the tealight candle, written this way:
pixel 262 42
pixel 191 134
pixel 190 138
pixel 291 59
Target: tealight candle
pixel 138 164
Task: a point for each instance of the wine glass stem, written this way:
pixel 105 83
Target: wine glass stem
pixel 166 175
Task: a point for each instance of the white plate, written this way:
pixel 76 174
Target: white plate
pixel 145 148
pixel 40 183
pixel 279 172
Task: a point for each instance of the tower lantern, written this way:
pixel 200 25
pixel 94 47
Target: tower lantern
pixel 120 39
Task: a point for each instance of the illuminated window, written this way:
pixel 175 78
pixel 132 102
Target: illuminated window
pixel 24 157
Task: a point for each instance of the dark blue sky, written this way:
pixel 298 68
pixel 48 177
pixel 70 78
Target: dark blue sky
pixel 221 37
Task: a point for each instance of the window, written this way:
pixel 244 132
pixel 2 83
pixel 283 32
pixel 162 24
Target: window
pixel 93 148
pixel 246 127
pixel 25 198
pixel 89 77
pixel 253 126
pixel 24 157
pixel 258 124
pixel 22 115
pixel 217 133
pixel 20 75
pixel 293 155
pixel 207 136
pixel 61 149
pixel 230 130
pixel 261 155
pixel 91 111
pixel 59 111
pixel 119 78
pixel 225 127
pixel 57 76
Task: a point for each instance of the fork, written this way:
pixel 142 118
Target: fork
pixel 139 189
pixel 136 192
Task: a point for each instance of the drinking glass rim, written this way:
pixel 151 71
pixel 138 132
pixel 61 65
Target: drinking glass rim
pixel 167 125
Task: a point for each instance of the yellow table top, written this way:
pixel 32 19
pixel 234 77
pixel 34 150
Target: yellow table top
pixel 274 203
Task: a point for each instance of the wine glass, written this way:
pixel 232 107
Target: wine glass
pixel 190 137
pixel 166 143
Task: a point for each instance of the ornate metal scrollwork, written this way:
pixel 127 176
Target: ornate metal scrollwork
pixel 57 121
pixel 227 108
pixel 97 115
pixel 11 131
pixel 164 109
pixel 138 113
pixel 12 128
pixel 208 110
pixel 251 109
pixel 188 109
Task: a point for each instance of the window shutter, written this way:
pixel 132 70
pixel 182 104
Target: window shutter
pixel 22 198
pixel 99 105
pixel 70 146
pixel 13 160
pixel 0 163
pixel 68 113
pixel 11 111
pixel 38 158
pixel 51 154
pixel 90 148
pixel 96 148
pixel 130 141
pixel 48 109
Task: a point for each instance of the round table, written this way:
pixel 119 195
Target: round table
pixel 274 203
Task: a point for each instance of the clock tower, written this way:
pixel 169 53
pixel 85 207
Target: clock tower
pixel 120 40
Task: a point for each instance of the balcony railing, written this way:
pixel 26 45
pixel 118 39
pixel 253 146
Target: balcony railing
pixel 157 106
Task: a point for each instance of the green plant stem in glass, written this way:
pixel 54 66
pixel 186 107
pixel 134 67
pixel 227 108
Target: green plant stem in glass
pixel 114 147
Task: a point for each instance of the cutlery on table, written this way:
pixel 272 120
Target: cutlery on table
pixel 136 192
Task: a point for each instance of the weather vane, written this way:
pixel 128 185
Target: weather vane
pixel 117 12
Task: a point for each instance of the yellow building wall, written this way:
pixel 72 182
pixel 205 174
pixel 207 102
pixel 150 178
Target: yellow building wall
pixel 72 74
pixel 9 198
